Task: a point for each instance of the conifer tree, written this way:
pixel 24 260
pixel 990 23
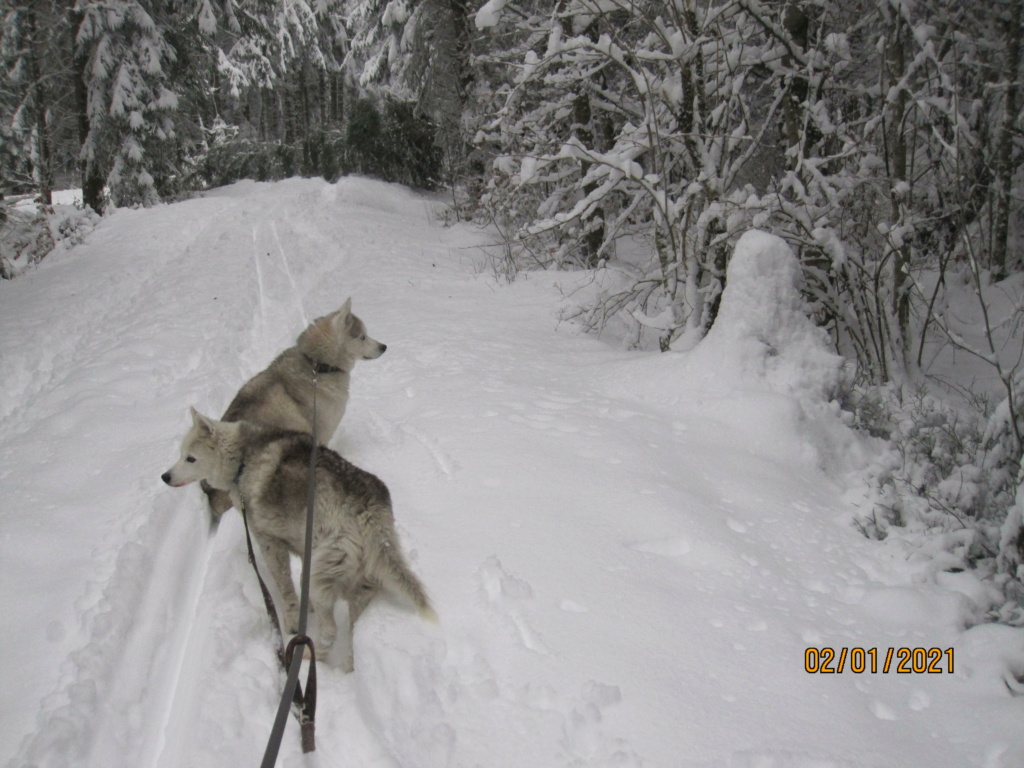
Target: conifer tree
pixel 130 102
pixel 33 46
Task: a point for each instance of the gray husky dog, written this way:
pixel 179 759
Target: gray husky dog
pixel 355 547
pixel 282 395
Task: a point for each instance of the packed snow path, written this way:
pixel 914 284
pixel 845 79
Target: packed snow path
pixel 630 554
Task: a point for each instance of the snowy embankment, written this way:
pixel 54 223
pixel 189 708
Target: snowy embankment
pixel 630 554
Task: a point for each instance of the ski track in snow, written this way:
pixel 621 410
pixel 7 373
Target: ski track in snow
pixel 627 567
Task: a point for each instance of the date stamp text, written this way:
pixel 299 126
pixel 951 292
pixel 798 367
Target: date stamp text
pixel 902 661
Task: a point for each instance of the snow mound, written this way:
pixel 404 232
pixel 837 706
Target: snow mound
pixel 763 366
pixel 763 330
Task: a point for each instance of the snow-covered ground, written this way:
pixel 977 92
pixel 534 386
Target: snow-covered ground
pixel 630 553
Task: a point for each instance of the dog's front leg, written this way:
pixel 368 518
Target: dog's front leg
pixel 276 555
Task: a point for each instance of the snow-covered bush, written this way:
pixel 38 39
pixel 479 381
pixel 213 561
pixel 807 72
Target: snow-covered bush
pixel 24 240
pixel 28 235
pixel 626 120
pixel 1002 439
pixel 1011 540
pixel 942 485
pixel 245 159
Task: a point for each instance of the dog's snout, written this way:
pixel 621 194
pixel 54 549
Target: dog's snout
pixel 383 348
pixel 166 477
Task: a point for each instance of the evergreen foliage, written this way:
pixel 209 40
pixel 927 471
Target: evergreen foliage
pixel 409 152
pixel 38 141
pixel 130 101
pixel 394 146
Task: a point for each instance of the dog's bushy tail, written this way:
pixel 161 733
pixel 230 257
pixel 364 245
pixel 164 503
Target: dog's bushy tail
pixel 395 574
pixel 401 579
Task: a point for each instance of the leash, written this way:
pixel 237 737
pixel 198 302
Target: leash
pixel 304 702
pixel 293 694
pixel 268 601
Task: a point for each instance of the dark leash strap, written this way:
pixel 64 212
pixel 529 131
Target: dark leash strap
pixel 304 702
pixel 268 601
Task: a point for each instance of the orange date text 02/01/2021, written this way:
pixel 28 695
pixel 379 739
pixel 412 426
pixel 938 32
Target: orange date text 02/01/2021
pixel 903 661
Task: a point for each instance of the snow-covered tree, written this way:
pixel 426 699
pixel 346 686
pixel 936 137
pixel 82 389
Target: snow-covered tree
pixel 889 171
pixel 631 119
pixel 130 102
pixel 281 60
pixel 869 136
pixel 34 106
pixel 423 52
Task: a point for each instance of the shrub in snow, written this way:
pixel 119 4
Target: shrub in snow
pixel 24 240
pixel 245 159
pixel 942 488
pixel 27 235
pixel 1011 539
pixel 765 344
pixel 1002 440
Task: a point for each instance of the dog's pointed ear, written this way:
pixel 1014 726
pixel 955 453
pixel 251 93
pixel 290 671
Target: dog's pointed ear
pixel 342 319
pixel 200 421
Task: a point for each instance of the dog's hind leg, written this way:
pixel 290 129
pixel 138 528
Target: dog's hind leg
pixel 329 570
pixel 322 594
pixel 275 553
pixel 357 600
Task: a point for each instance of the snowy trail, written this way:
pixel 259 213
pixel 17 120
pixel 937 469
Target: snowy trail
pixel 629 553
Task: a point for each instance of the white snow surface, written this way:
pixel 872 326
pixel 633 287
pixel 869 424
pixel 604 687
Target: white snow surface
pixel 629 553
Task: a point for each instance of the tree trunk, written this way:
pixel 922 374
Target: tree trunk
pixel 583 129
pixel 796 23
pixel 898 159
pixel 305 102
pixel 463 64
pixel 93 178
pixel 43 170
pixel 1004 164
pixel 337 100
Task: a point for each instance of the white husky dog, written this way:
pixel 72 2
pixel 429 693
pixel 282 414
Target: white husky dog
pixel 355 547
pixel 282 395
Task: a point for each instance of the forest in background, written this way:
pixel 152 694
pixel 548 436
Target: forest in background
pixel 636 139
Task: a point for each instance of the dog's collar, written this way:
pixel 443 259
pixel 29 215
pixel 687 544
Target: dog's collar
pixel 238 474
pixel 319 367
